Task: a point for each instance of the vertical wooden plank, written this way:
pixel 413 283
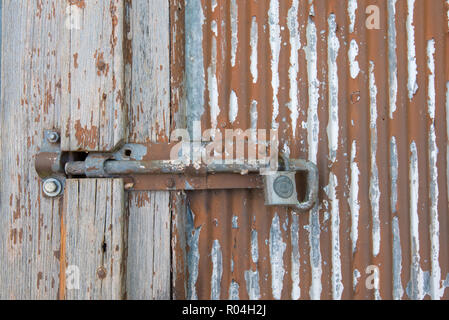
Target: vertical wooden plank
pixel 179 120
pixel 30 91
pixel 93 233
pixel 94 114
pixel 148 95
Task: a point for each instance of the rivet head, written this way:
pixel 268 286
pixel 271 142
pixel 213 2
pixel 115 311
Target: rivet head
pixel 52 187
pixel 283 187
pixel 53 137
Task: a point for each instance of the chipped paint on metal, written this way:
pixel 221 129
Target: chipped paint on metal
pixel 411 51
pixel 217 270
pixel 352 8
pixel 394 169
pixel 254 247
pixel 398 290
pixel 212 86
pixel 392 57
pixel 315 253
pixel 337 284
pixel 235 222
pixel 234 31
pixel 435 276
pixel 354 204
pixel 353 52
pixel 332 52
pixel 294 233
pixel 254 40
pixel 355 279
pixel 415 288
pixel 374 192
pixel 234 291
pixel 253 120
pixel 275 45
pixel 193 255
pixel 277 249
pixel 195 74
pixel 312 76
pixel 233 107
pixel 295 46
pixel 252 284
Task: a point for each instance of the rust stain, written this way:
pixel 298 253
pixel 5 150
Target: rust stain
pixel 102 66
pixel 86 137
pixel 75 60
pixel 79 3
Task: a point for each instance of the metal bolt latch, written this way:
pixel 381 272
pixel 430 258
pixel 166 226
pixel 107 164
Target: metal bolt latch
pixel 147 168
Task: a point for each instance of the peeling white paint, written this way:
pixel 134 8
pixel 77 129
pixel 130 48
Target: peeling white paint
pixel 253 43
pixel 252 284
pixel 253 119
pixel 398 290
pixel 411 51
pixel 353 52
pixel 217 270
pixel 355 279
pixel 394 169
pixel 337 284
pixel 374 190
pixel 275 45
pixel 235 222
pixel 254 247
pixel 213 86
pixel 234 291
pixel 392 57
pixel 332 53
pixel 214 27
pixel 277 249
pixel 295 46
pixel 352 8
pixel 354 203
pixel 416 286
pixel 436 291
pixel 312 77
pixel 233 107
pixel 193 255
pixel 234 31
pixel 313 126
pixel 294 234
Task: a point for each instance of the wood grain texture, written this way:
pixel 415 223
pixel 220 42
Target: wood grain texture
pixel 94 235
pixel 91 51
pixel 31 99
pixel 179 121
pixel 148 95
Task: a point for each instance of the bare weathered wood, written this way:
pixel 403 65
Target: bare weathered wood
pixel 30 92
pixel 148 95
pixel 93 114
pixel 93 239
pixel 148 264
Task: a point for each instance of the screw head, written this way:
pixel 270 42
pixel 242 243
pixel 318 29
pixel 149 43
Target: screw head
pixel 53 137
pixel 283 187
pixel 52 187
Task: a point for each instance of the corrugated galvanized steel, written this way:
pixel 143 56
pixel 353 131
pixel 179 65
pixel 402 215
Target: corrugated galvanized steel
pixel 368 105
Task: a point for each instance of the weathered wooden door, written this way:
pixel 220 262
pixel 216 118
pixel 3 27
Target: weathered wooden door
pixel 98 72
pixel 359 87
